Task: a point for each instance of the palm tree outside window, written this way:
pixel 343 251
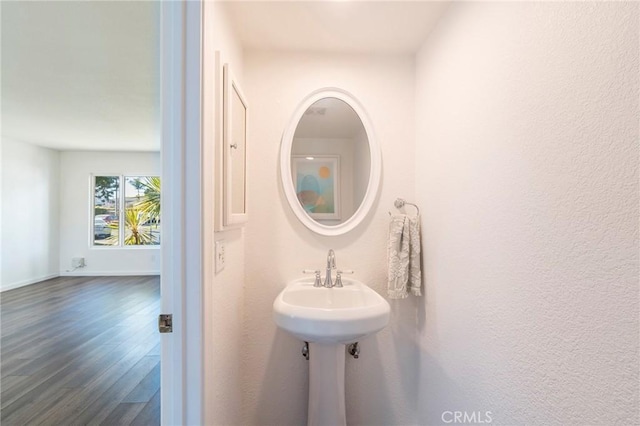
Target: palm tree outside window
pixel 126 211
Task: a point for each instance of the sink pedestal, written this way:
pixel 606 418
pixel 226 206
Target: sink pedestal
pixel 326 385
pixel 329 318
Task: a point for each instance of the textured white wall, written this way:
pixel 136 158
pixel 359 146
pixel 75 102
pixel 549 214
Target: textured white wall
pixel 223 292
pixel 278 247
pixel 76 168
pixel 30 230
pixel 527 174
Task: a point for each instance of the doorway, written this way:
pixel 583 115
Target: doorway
pixel 80 100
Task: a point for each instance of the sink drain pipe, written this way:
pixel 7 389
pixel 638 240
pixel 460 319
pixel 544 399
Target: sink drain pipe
pixel 354 350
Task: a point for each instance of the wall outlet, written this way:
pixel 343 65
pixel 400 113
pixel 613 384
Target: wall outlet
pixel 77 262
pixel 220 255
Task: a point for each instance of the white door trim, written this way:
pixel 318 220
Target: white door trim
pixel 181 280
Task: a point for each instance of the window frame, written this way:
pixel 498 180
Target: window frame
pixel 121 209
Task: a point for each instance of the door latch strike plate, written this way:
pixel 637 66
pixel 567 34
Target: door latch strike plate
pixel 165 323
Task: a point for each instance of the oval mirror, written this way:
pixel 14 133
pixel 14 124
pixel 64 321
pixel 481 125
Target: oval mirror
pixel 330 162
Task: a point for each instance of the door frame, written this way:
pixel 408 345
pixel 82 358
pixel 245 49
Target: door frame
pixel 181 286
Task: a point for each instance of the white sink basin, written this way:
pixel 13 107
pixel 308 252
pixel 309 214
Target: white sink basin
pixel 330 315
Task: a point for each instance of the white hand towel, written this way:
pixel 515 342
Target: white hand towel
pixel 405 273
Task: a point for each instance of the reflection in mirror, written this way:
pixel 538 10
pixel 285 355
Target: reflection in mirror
pixel 330 161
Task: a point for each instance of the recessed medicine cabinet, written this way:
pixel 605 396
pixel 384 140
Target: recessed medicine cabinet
pixel 233 197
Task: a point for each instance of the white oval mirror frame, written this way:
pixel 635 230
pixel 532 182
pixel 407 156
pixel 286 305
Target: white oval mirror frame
pixel 375 170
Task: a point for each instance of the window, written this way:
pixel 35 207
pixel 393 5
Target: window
pixel 126 211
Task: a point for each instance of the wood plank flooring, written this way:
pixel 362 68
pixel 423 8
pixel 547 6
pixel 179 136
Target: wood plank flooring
pixel 81 351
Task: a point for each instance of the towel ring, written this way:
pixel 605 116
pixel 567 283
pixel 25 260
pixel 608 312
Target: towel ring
pixel 400 202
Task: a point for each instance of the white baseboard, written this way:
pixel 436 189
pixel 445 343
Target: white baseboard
pixel 28 282
pixel 82 273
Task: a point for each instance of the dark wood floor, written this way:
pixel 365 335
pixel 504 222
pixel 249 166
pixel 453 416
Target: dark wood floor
pixel 81 350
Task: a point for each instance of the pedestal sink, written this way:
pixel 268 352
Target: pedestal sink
pixel 329 318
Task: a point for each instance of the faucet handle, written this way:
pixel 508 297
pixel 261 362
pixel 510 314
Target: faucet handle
pixel 339 276
pixel 318 280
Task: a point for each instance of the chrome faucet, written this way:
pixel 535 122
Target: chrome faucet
pixel 331 264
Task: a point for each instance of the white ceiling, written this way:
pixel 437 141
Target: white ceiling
pixel 81 75
pixel 84 75
pixel 335 26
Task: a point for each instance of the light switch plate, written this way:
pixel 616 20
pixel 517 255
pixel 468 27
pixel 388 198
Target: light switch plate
pixel 220 255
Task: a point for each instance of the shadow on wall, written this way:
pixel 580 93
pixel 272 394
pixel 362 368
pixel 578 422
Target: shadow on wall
pixel 407 325
pixel 367 375
pixel 436 390
pixel 421 371
pixel 281 375
pixel 430 393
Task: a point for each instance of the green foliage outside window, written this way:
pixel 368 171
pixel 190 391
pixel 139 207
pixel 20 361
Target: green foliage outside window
pixel 140 213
